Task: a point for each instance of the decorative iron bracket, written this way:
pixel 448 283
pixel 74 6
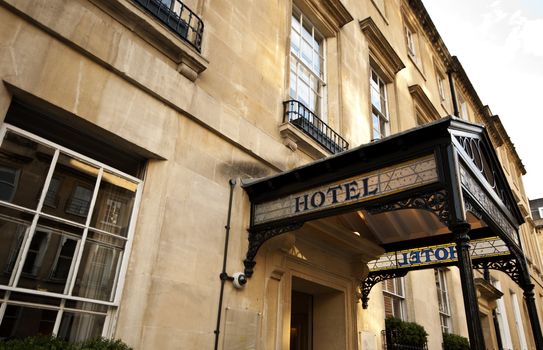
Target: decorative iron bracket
pixel 472 208
pixel 257 238
pixel 508 265
pixel 375 277
pixel 436 202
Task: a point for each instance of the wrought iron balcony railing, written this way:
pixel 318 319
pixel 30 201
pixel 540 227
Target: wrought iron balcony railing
pixel 300 116
pixel 178 18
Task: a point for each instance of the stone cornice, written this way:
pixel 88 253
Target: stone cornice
pixel 430 30
pixel 331 14
pixel 487 290
pixel 494 125
pixel 495 122
pixel 381 48
pixel 423 102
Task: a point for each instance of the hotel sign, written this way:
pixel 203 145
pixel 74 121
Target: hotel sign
pixel 361 188
pixel 438 254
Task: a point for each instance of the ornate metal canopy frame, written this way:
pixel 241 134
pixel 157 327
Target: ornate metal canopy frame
pixel 448 168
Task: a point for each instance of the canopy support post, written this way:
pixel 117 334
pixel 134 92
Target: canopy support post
pixel 532 312
pixel 471 305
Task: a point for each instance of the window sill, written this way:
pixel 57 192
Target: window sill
pixel 189 62
pixel 296 139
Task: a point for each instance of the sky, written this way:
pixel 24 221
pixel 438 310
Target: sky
pixel 500 46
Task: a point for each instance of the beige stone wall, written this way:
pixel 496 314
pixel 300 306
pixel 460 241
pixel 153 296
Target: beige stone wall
pixel 89 61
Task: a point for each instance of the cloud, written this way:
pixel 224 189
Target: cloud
pixel 528 35
pixel 499 45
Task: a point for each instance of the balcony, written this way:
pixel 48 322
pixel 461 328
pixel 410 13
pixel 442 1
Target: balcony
pixel 302 118
pixel 178 18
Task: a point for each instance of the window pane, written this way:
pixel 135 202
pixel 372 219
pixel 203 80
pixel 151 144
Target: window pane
pixel 11 237
pixel 114 204
pixel 49 259
pixel 389 310
pixel 76 326
pixel 292 84
pixel 97 272
pixel 34 299
pixel 398 308
pixel 166 2
pixel 295 43
pixel 25 164
pixel 295 24
pixel 51 198
pixel 25 321
pixel 72 190
pixel 375 98
pixel 306 32
pixel 303 93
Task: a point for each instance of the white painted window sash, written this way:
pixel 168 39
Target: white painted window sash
pixel 122 263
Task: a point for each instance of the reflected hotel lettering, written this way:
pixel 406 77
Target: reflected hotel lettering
pixel 427 256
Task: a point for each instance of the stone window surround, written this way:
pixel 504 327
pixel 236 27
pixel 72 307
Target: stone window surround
pixel 413 40
pixel 380 6
pixel 422 103
pixel 383 59
pixel 328 16
pixel 190 63
pixel 320 75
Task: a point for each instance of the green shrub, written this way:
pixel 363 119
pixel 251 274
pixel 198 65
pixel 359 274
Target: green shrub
pixel 51 343
pixel 455 342
pixel 103 344
pixel 39 342
pixel 405 333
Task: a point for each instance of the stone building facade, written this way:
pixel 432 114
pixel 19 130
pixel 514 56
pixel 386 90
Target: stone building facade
pixel 124 122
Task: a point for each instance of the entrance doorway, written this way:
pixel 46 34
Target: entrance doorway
pixel 317 318
pixel 301 321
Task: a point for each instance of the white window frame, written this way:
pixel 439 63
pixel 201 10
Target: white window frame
pixel 320 94
pixel 383 117
pixel 443 296
pixel 441 87
pixel 540 210
pixel 463 107
pixel 410 38
pixel 501 315
pixel 397 294
pixel 117 289
pixel 518 321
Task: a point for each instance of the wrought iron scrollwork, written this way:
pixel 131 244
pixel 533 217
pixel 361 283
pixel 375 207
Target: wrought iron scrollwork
pixel 473 209
pixel 480 157
pixel 436 202
pixel 375 277
pixel 510 266
pixel 257 238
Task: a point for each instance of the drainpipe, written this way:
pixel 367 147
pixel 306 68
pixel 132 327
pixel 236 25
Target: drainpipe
pixel 224 276
pixel 456 112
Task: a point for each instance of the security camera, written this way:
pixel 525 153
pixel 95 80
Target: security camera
pixel 240 280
